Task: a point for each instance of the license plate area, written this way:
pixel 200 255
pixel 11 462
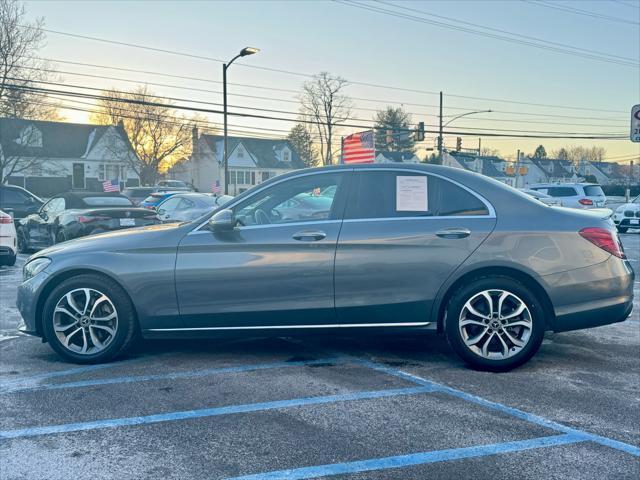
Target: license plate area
pixel 127 222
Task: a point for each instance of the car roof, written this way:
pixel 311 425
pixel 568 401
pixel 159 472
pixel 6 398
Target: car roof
pixel 80 195
pixel 568 184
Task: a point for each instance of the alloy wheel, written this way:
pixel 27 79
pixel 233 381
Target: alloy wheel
pixel 85 321
pixel 495 324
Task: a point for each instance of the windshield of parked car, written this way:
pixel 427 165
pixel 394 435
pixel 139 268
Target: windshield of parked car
pixel 107 202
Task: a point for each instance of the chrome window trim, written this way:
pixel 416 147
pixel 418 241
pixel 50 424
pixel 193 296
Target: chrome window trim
pixel 491 210
pixel 276 327
pixel 232 203
pixel 272 225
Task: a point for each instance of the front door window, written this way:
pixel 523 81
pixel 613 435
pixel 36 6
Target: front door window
pixel 78 176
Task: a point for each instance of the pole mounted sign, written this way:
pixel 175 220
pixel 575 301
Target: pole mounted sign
pixel 635 123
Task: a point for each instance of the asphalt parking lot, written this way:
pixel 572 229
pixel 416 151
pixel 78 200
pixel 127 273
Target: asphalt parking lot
pixel 346 407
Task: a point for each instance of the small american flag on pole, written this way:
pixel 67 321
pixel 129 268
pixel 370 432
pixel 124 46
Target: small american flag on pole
pixel 111 186
pixel 215 188
pixel 358 148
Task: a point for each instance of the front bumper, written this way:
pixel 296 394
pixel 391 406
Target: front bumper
pixel 29 293
pixel 592 296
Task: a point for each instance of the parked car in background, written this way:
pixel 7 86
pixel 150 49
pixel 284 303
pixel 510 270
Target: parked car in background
pixel 574 195
pixel 403 247
pixel 18 202
pixel 175 185
pixel 8 242
pixel 182 207
pixel 72 215
pixel 155 199
pixel 543 197
pixel 627 215
pixel 138 194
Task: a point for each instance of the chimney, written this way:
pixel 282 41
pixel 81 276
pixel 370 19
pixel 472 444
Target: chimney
pixel 194 140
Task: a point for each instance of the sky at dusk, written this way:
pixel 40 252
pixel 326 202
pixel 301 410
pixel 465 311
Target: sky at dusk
pixel 409 57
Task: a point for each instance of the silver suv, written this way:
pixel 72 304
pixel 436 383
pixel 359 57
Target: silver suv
pixel 574 195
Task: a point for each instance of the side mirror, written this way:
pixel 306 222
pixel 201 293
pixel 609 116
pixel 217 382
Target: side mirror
pixel 222 221
pixel 162 211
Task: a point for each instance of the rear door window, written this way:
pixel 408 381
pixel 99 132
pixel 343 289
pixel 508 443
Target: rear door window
pixel 393 194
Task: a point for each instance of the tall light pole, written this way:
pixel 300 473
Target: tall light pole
pixel 243 53
pixel 440 137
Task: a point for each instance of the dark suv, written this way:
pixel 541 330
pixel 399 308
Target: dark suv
pixel 18 202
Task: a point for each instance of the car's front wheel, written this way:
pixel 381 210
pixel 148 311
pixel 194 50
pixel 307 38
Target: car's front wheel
pixel 622 229
pixel 89 319
pixel 495 323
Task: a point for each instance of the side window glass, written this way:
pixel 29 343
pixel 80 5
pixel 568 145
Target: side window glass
pixel 170 205
pixel 395 194
pixel 296 200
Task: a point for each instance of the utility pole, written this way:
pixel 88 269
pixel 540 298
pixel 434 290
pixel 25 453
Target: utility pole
pixel 440 135
pixel 225 158
pixel 479 146
pixel 517 168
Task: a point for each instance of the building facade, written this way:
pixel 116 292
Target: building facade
pixel 48 158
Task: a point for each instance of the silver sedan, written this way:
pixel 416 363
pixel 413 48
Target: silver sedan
pixel 407 248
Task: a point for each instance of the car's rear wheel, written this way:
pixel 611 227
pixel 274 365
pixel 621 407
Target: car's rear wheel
pixel 8 260
pixel 89 319
pixel 495 323
pixel 23 244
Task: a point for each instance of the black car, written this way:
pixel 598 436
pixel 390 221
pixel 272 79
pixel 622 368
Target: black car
pixel 18 202
pixel 72 215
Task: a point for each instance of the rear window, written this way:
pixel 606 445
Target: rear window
pixel 129 192
pixel 593 191
pixel 107 202
pixel 561 191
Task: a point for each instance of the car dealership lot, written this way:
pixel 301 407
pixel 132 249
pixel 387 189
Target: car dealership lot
pixel 347 406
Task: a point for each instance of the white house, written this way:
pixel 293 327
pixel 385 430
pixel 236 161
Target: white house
pixel 251 161
pixel 52 157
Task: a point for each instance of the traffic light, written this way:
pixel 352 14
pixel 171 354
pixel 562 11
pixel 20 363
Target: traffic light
pixel 420 132
pixel 458 144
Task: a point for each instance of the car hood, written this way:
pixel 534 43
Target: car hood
pixel 629 206
pixel 167 234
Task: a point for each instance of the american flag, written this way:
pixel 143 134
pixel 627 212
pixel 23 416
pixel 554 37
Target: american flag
pixel 111 186
pixel 358 148
pixel 215 188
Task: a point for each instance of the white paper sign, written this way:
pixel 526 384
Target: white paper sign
pixel 411 194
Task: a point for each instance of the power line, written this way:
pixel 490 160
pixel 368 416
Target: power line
pixel 579 11
pixel 387 87
pixel 248 115
pixel 579 52
pixel 626 4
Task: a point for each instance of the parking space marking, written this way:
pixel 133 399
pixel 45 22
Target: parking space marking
pixel 412 459
pixel 60 373
pixel 161 376
pixel 209 412
pixel 514 412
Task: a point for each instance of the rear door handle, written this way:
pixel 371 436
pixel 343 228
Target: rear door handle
pixel 453 233
pixel 309 235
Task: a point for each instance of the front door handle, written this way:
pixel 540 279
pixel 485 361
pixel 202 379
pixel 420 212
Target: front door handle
pixel 309 235
pixel 453 233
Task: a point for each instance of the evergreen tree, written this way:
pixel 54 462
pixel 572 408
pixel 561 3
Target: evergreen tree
pixel 540 152
pixel 397 122
pixel 301 140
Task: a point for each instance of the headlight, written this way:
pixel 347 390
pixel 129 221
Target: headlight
pixel 34 267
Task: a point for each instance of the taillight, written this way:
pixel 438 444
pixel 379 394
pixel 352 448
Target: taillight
pixel 585 201
pixel 6 219
pixel 83 219
pixel 604 239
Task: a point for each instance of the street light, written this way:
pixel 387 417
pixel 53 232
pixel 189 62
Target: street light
pixel 440 146
pixel 243 53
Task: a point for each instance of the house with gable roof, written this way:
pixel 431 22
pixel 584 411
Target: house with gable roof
pixel 251 162
pixel 48 158
pixel 396 157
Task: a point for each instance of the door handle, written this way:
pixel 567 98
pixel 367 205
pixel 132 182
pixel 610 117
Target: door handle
pixel 309 235
pixel 453 233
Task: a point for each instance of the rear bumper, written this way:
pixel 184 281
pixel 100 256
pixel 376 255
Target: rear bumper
pixel 592 296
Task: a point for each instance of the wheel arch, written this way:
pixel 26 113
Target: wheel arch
pixel 65 275
pixel 523 277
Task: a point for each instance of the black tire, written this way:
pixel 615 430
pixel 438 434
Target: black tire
pixel 622 229
pixel 126 327
pixel 475 360
pixel 9 260
pixel 61 236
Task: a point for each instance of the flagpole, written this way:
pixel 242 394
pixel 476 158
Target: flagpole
pixel 342 150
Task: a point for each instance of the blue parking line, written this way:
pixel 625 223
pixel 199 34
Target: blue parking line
pixel 161 376
pixel 401 461
pixel 59 373
pixel 208 412
pixel 514 412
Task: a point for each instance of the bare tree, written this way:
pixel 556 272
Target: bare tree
pixel 578 154
pixel 323 103
pixel 158 137
pixel 20 68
